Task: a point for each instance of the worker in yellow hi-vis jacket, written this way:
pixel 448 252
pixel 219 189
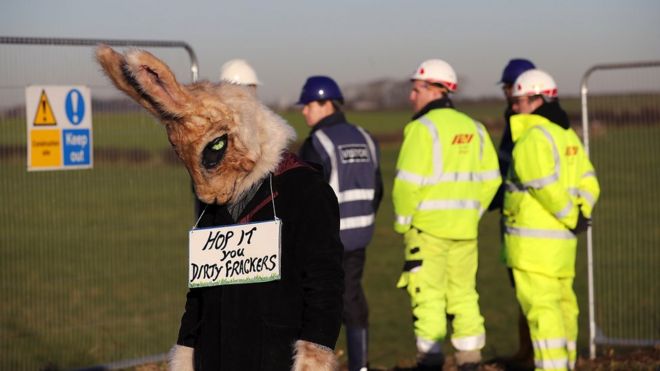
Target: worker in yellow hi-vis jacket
pixel 551 189
pixel 447 175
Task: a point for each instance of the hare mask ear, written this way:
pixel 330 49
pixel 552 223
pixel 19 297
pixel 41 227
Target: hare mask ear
pixel 147 80
pixel 114 66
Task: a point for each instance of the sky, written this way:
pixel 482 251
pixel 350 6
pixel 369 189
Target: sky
pixel 360 41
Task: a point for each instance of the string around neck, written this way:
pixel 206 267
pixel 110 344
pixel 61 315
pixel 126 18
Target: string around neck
pixel 200 217
pixel 272 195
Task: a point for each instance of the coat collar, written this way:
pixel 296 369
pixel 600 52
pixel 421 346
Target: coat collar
pixel 547 113
pixel 522 122
pixel 334 118
pixel 443 102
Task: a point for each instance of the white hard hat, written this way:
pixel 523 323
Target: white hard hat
pixel 534 82
pixel 437 71
pixel 239 72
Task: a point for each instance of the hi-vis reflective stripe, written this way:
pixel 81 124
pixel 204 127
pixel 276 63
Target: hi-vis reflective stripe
pixel 542 346
pixel 489 175
pixel 448 177
pixel 437 146
pixel 411 178
pixel 441 205
pixel 547 344
pixel 428 346
pixel 584 194
pixel 551 364
pixel 480 130
pixel 372 146
pixel 449 204
pixel 351 194
pixel 514 187
pixel 540 233
pixel 565 211
pixel 468 343
pixel 588 174
pixel 330 150
pixel 356 222
pixel 540 183
pixel 572 354
pixel 467 176
pixel 517 187
pixel 356 195
pixel 403 219
pixel 437 175
pixel 555 152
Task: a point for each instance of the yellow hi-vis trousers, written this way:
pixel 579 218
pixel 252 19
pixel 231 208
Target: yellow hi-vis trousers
pixel 440 276
pixel 551 308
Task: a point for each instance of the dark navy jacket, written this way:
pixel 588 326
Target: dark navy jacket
pixel 349 157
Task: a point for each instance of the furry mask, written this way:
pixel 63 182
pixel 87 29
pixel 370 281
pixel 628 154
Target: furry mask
pixel 226 138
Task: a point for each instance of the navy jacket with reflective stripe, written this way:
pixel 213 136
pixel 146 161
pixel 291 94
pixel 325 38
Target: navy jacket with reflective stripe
pixel 349 157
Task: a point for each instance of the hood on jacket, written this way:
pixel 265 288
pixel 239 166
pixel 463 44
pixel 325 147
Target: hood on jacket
pixel 548 112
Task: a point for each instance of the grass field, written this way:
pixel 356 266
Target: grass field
pixel 93 262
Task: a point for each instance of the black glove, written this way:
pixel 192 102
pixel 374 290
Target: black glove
pixel 582 224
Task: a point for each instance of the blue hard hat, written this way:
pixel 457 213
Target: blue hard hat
pixel 515 68
pixel 320 88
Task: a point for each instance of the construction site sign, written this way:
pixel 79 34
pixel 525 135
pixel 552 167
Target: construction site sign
pixel 59 127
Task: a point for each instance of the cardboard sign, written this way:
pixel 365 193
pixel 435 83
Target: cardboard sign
pixel 236 254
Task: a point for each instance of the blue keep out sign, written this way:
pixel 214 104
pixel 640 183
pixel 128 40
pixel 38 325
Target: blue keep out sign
pixel 76 146
pixel 74 105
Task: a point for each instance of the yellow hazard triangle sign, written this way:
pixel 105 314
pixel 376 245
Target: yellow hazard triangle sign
pixel 44 115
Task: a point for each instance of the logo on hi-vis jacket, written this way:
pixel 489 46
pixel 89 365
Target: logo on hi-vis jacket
pixel 571 150
pixel 462 138
pixel 351 153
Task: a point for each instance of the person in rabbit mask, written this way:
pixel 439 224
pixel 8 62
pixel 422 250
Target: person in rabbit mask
pixel 235 151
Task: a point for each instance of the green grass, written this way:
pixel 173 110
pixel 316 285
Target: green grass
pixel 90 266
pixel 627 232
pixel 93 262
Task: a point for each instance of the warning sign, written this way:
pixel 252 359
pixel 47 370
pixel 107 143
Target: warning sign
pixel 44 115
pixel 59 127
pixel 46 149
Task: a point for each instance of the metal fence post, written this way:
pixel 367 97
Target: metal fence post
pixel 593 336
pixel 83 300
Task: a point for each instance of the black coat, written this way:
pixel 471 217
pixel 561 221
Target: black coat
pixel 253 326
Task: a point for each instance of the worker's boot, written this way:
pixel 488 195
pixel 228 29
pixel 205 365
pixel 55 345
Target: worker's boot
pixel 430 361
pixel 468 360
pixel 468 367
pixel 523 359
pixel 357 342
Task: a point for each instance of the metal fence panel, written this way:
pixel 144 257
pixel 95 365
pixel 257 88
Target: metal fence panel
pixel 621 114
pixel 91 261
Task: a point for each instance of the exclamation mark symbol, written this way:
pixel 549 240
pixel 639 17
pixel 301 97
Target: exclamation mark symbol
pixel 44 114
pixel 74 106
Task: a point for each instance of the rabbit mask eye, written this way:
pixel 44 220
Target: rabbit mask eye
pixel 214 152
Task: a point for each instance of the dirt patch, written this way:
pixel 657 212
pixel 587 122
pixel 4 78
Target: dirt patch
pixel 647 359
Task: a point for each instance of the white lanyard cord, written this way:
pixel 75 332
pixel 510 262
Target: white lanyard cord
pixel 200 217
pixel 272 196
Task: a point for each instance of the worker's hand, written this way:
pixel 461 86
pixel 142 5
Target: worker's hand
pixel 582 224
